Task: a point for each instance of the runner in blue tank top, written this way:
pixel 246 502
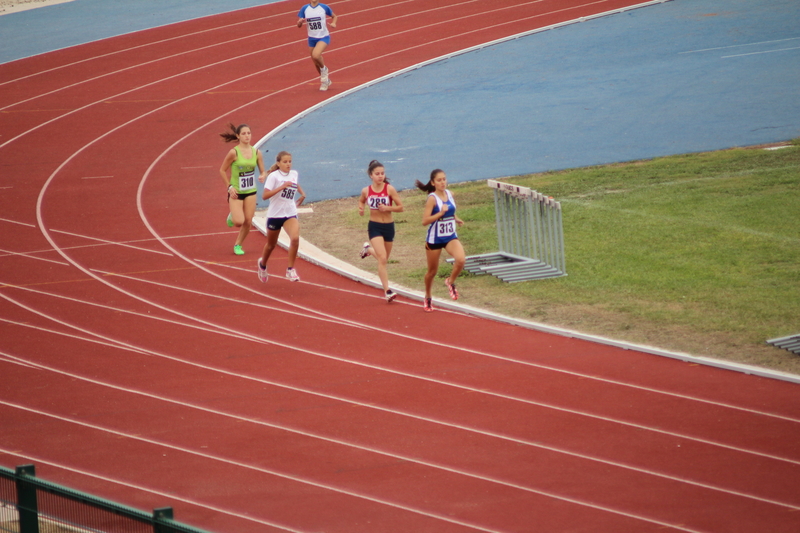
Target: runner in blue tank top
pixel 440 216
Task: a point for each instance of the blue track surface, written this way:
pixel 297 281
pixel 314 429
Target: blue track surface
pixel 684 76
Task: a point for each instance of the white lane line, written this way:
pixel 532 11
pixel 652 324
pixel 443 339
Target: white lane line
pixel 372 295
pixel 220 328
pixel 116 243
pixel 764 52
pixel 279 474
pixel 737 46
pixel 410 459
pixel 92 340
pixel 167 495
pixel 16 221
pixel 28 255
pixel 421 377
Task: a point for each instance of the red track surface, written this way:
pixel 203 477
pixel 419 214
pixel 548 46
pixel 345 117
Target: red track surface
pixel 143 362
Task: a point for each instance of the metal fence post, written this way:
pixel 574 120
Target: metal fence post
pixel 27 504
pixel 159 515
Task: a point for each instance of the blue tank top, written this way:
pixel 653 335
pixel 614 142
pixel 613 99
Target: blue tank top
pixel 443 230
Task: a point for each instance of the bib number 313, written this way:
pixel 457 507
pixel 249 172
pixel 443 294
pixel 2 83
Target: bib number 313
pixel 446 227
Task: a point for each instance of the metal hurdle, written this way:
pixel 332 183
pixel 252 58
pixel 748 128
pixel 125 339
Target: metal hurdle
pixel 791 343
pixel 530 234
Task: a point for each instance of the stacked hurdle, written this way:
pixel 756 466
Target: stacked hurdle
pixel 791 343
pixel 530 235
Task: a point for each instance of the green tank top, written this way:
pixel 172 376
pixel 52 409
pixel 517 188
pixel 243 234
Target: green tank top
pixel 243 172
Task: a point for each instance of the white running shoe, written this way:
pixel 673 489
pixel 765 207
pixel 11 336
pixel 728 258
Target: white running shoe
pixel 325 84
pixel 291 275
pixel 262 272
pixel 364 253
pixel 323 75
pixel 390 296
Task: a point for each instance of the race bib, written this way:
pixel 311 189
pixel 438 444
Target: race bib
pixel 289 192
pixel 247 180
pixel 376 201
pixel 446 227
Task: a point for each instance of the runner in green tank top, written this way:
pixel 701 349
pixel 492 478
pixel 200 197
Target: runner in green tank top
pixel 241 163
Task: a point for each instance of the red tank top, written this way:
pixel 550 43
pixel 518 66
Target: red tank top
pixel 375 199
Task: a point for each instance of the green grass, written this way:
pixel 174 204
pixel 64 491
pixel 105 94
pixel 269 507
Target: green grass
pixel 702 246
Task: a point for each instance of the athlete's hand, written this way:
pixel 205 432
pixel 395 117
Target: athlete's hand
pixel 262 177
pixel 232 194
pixel 300 22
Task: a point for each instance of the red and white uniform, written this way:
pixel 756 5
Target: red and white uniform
pixel 376 199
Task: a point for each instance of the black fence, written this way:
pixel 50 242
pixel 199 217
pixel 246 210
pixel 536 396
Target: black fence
pixel 32 505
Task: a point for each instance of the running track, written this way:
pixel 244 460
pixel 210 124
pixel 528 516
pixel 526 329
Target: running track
pixel 141 361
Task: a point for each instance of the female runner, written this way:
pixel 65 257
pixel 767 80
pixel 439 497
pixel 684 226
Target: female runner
pixel 241 162
pixel 382 200
pixel 315 16
pixel 281 189
pixel 440 215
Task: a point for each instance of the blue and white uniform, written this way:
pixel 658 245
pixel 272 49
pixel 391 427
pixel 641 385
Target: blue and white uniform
pixel 316 21
pixel 443 230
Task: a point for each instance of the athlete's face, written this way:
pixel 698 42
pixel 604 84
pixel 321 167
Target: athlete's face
pixel 285 164
pixel 440 181
pixel 378 175
pixel 245 135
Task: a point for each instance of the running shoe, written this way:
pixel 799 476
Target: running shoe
pixel 262 272
pixel 229 221
pixel 237 249
pixel 325 84
pixel 390 296
pixel 364 253
pixel 427 306
pixel 291 275
pixel 452 288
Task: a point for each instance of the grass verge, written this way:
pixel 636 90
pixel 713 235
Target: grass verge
pixel 696 253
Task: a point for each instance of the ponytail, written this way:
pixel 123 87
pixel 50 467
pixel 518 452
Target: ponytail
pixel 233 134
pixel 428 187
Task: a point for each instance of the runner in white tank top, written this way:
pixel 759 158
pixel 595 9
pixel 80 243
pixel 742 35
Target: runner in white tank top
pixel 284 195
